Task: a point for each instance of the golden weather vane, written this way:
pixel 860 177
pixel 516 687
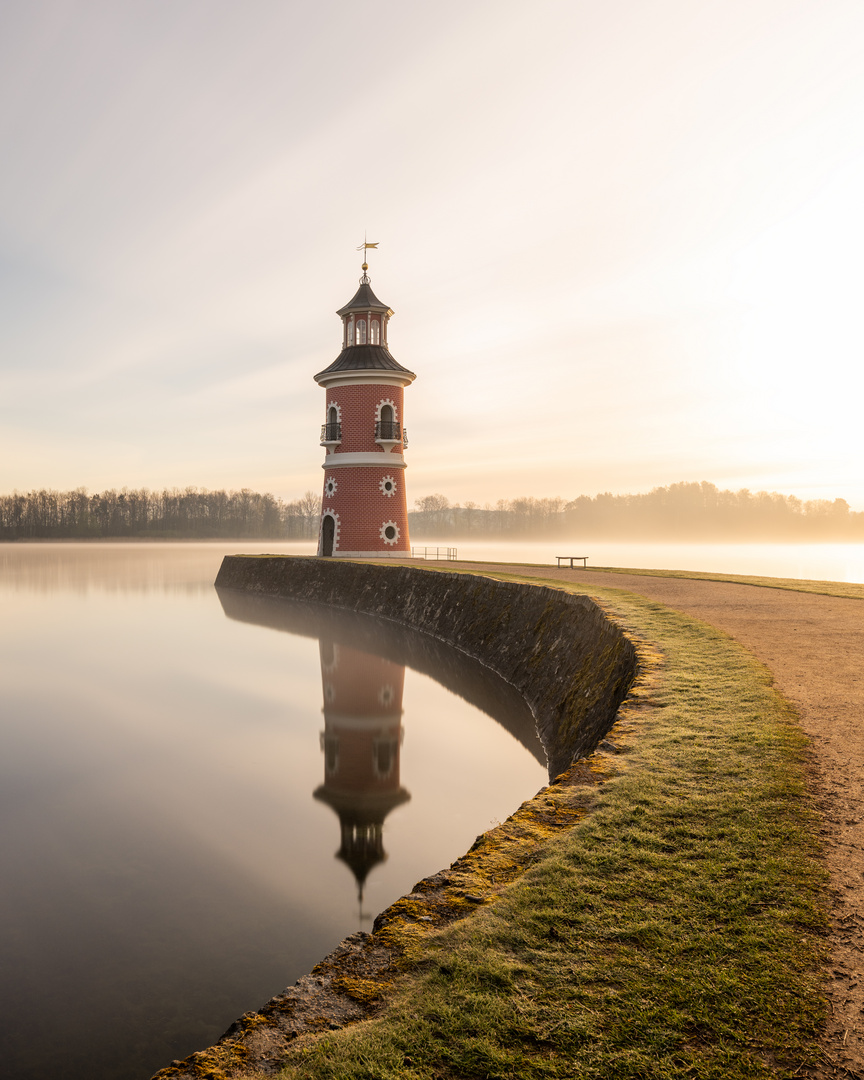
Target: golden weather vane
pixel 364 247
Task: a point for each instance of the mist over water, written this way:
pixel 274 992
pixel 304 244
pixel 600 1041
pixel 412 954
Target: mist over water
pixel 197 788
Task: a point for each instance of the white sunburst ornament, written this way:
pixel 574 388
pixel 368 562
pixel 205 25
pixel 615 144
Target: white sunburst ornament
pixel 330 487
pixel 389 533
pixel 387 485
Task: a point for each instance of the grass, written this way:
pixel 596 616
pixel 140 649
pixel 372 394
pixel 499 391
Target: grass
pixel 678 929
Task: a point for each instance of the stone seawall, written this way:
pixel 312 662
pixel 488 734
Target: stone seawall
pixel 560 652
pixel 571 665
pixel 401 645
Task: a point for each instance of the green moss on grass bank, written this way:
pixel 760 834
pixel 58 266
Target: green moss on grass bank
pixel 676 930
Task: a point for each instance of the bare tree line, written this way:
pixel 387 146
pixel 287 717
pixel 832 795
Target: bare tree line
pixel 157 515
pixel 691 511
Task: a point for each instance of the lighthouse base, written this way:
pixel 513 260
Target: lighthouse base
pixel 368 555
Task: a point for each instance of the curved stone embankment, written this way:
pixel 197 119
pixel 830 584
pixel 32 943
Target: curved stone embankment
pixel 401 645
pixel 573 667
pixel 570 663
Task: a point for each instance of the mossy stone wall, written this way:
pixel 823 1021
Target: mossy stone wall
pixel 568 660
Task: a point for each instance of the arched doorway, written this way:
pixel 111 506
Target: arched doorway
pixel 328 532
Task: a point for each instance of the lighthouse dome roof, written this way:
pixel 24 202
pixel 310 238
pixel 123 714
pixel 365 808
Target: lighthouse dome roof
pixel 365 358
pixel 364 300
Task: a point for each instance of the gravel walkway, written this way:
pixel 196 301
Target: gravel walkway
pixel 814 647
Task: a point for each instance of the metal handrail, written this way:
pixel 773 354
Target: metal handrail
pixel 385 431
pixel 438 553
pixel 388 430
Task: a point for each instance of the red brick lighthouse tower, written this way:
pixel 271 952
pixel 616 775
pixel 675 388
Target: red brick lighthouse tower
pixel 365 509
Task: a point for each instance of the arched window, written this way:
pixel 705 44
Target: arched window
pixel 374 332
pixel 361 331
pixel 384 756
pixel 386 414
pixel 330 746
pixel 331 432
pixel 349 333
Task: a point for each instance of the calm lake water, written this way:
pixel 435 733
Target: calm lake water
pixel 203 793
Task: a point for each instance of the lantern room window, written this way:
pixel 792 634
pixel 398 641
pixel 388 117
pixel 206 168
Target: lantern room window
pixel 361 331
pixel 374 332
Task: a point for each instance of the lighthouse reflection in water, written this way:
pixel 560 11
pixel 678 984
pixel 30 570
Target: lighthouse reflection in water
pixel 361 741
pixel 421 749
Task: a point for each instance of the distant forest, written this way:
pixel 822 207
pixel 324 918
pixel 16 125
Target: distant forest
pixel 189 514
pixel 684 511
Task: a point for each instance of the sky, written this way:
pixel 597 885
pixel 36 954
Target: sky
pixel 623 240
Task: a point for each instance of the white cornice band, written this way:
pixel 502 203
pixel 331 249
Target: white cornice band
pixel 384 461
pixel 351 378
pixel 345 721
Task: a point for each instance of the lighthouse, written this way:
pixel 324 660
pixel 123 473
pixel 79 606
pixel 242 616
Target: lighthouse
pixel 364 512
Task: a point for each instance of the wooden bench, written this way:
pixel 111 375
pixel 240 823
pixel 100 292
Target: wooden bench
pixel 573 558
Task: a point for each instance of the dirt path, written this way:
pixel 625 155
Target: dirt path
pixel 814 646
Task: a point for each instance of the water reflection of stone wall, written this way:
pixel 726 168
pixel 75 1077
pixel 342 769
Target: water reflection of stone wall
pixel 458 673
pixel 363 661
pixel 571 664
